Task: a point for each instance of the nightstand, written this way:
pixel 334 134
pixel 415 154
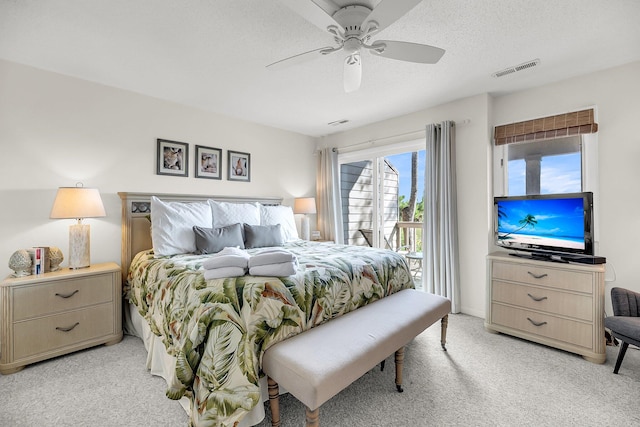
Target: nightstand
pixel 51 314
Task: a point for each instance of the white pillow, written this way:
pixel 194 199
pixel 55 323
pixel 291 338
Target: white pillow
pixel 225 213
pixel 172 225
pixel 283 215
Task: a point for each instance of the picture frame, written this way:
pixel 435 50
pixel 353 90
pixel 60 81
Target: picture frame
pixel 239 166
pixel 208 162
pixel 172 158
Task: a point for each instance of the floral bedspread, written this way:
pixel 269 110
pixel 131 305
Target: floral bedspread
pixel 219 329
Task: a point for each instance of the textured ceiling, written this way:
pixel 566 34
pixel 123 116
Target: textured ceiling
pixel 212 54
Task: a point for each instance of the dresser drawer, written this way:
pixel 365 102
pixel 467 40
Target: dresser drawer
pixel 539 275
pixel 62 295
pixel 565 330
pixel 45 333
pixel 544 299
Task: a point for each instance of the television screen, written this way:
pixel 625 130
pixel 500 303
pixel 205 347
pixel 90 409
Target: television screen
pixel 548 223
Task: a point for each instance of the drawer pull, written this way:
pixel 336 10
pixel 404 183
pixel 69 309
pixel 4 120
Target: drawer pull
pixel 68 295
pixel 537 276
pixel 536 323
pixel 538 298
pixel 58 328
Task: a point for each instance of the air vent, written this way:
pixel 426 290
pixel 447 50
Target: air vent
pixel 338 122
pixel 515 68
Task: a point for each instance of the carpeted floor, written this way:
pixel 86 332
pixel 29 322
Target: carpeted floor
pixel 482 380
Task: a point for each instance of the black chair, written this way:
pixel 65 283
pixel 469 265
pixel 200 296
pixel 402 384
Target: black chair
pixel 625 322
pixel 367 233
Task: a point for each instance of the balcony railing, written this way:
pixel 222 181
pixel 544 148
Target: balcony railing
pixel 407 236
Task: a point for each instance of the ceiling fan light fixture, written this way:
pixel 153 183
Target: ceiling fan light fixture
pixel 352 72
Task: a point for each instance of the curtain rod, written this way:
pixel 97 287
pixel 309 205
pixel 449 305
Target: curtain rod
pixel 372 142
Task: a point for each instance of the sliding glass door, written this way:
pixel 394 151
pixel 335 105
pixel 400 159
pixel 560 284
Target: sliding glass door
pixel 379 189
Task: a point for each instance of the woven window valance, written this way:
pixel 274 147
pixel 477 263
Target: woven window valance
pixel 567 124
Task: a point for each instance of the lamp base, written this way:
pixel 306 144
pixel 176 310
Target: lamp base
pixel 79 246
pixel 304 228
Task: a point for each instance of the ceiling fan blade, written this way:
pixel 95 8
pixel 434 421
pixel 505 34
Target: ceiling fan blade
pixel 387 12
pixel 312 13
pixel 301 57
pixel 406 51
pixel 352 72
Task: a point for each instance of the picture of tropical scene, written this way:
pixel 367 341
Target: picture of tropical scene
pixel 549 222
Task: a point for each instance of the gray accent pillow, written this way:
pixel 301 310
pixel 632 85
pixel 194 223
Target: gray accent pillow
pixel 213 240
pixel 260 236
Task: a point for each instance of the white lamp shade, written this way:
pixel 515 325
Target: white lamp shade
pixel 304 205
pixel 77 202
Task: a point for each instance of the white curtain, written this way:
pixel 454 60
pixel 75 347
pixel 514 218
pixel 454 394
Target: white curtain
pixel 440 243
pixel 328 196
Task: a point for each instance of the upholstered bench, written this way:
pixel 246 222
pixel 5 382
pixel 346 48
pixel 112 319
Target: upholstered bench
pixel 316 365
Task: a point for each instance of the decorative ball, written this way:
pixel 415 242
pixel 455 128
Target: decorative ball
pixel 55 258
pixel 20 262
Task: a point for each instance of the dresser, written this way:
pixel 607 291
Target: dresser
pixel 556 304
pixel 52 314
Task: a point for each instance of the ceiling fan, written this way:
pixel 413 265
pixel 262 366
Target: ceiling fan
pixel 352 27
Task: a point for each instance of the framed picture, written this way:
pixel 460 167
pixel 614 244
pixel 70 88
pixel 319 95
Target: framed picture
pixel 208 162
pixel 239 166
pixel 173 158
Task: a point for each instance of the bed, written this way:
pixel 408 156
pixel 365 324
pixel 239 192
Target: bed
pixel 206 337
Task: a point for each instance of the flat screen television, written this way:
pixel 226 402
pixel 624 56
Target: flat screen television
pixel 545 225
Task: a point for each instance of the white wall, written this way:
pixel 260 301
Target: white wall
pixel 57 130
pixel 616 95
pixel 473 151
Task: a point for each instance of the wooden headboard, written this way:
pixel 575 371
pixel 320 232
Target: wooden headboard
pixel 136 228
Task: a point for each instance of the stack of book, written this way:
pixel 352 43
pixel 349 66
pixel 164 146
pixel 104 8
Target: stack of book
pixel 40 260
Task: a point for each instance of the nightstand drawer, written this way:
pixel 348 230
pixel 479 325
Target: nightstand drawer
pixel 562 279
pixel 55 297
pixel 55 313
pixel 565 330
pixel 53 332
pixel 544 299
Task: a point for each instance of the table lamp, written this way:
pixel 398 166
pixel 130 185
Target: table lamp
pixel 78 203
pixel 304 206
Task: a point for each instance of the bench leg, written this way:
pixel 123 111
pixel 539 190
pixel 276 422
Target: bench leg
pixel 443 331
pixel 399 364
pixel 313 417
pixel 274 402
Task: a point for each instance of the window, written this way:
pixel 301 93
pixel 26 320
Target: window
pixel 562 165
pixel 544 167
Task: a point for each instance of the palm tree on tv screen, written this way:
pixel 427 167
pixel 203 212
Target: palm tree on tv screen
pixel 528 220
